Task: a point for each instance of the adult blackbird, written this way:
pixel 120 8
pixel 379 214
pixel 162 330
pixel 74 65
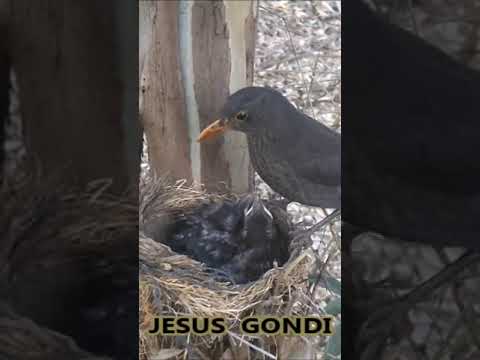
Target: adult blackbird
pixel 295 155
pixel 239 238
pixel 410 137
pixel 410 147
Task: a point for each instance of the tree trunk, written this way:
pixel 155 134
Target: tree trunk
pixel 193 54
pixel 65 55
pixel 162 100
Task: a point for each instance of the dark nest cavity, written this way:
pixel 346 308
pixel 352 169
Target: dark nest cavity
pixel 238 238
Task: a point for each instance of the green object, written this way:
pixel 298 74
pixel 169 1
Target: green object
pixel 333 284
pixel 333 350
pixel 334 307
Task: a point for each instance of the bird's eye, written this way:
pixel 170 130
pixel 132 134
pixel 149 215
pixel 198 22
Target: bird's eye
pixel 241 115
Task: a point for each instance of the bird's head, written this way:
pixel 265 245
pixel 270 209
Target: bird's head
pixel 242 112
pixel 254 206
pixel 257 218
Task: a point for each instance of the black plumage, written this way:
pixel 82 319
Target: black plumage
pixel 410 137
pixel 410 148
pixel 295 155
pixel 104 320
pixel 241 239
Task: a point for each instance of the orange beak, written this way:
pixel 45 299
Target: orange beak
pixel 213 130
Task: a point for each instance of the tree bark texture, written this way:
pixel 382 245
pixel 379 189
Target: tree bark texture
pixel 193 54
pixel 66 57
pixel 162 100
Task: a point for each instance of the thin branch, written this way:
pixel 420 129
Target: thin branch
pixel 249 344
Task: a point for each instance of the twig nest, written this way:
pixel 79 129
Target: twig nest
pixel 75 251
pixel 173 284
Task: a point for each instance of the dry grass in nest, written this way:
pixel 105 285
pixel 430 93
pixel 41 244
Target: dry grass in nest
pixel 172 284
pixel 66 222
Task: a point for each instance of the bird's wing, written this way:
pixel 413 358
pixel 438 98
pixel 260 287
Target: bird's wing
pixel 321 154
pixel 325 171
